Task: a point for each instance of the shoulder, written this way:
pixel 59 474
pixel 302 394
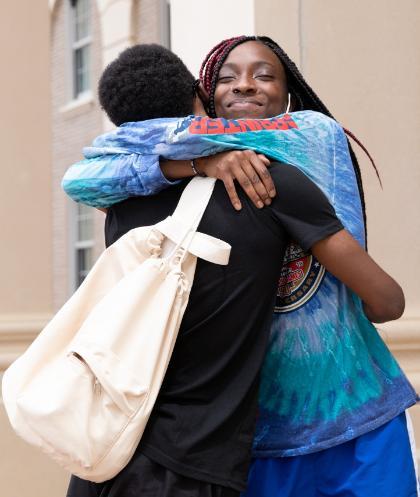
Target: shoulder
pixel 295 190
pixel 287 174
pixel 308 118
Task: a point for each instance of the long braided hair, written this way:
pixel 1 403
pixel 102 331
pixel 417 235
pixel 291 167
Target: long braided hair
pixel 303 97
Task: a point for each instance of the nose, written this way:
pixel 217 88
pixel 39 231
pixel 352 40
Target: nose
pixel 244 84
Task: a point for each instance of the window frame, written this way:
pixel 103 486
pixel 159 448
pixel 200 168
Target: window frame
pixel 77 244
pixel 75 45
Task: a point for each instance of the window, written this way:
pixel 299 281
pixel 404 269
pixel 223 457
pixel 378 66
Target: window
pixel 84 242
pixel 81 45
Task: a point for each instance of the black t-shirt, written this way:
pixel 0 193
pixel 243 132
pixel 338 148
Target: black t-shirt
pixel 203 422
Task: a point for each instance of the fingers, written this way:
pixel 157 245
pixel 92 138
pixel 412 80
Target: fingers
pixel 246 167
pixel 252 189
pixel 252 174
pixel 266 176
pixel 264 159
pixel 231 191
pixel 258 174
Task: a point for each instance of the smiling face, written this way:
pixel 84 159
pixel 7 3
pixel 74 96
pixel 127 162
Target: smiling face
pixel 251 83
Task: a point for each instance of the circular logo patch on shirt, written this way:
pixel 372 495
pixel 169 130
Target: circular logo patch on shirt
pixel 300 278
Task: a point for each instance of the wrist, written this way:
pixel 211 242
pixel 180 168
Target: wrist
pixel 175 170
pixel 197 169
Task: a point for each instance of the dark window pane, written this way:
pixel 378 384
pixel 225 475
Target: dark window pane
pixel 81 68
pixel 85 224
pixel 84 263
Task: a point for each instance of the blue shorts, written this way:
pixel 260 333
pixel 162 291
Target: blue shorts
pixel 380 463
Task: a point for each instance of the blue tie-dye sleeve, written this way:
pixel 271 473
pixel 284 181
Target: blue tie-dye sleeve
pixel 103 180
pixel 125 161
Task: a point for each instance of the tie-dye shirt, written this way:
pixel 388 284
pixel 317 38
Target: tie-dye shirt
pixel 328 376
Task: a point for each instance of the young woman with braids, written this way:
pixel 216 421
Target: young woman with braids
pixel 332 397
pixel 294 85
pixel 330 456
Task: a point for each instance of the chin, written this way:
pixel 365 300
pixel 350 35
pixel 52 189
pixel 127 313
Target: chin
pixel 243 114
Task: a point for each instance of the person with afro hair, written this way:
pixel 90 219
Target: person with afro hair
pixel 132 89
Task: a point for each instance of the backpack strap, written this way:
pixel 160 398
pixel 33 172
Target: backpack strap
pixel 193 201
pixel 181 227
pixel 204 246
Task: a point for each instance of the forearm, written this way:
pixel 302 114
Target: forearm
pixel 377 316
pixel 108 179
pixel 127 150
pixel 382 297
pixel 187 138
pixel 176 169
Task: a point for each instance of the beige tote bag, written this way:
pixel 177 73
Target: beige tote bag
pixel 83 391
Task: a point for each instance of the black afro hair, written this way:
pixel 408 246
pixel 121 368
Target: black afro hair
pixel 146 82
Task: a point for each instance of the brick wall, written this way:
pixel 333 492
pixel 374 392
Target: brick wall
pixel 72 129
pixel 75 127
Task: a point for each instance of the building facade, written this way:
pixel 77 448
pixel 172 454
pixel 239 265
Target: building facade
pixel 361 58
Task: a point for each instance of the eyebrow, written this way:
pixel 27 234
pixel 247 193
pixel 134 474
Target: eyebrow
pixel 232 65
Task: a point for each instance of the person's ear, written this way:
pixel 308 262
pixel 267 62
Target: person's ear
pixel 201 99
pixel 202 93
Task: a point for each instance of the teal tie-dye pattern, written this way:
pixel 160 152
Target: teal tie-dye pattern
pixel 328 376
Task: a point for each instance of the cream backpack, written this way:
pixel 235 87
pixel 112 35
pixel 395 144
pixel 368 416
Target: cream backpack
pixel 84 389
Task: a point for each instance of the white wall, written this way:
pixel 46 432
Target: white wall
pixel 196 26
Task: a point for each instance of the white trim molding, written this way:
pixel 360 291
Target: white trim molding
pixel 83 103
pixel 403 339
pixel 402 334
